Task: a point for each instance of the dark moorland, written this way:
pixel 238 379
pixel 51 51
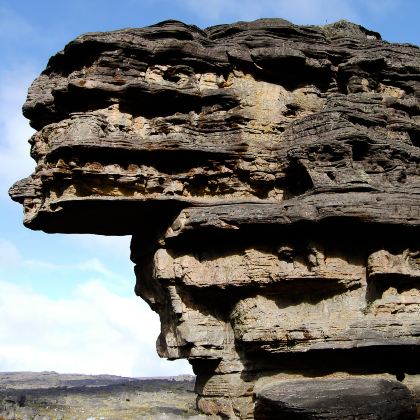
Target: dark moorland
pixel 49 395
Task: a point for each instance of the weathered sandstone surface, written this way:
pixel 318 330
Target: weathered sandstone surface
pixel 269 174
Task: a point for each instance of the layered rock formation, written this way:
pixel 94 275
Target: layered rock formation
pixel 269 175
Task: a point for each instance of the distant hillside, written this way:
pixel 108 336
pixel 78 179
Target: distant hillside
pixel 51 379
pixel 54 396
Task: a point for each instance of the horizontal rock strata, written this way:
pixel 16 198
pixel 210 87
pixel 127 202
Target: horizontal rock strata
pixel 335 399
pixel 269 174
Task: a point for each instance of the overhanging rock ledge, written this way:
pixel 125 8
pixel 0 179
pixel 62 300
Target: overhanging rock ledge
pixel 269 174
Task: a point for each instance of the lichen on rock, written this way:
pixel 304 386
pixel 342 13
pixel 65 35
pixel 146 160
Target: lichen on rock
pixel 269 174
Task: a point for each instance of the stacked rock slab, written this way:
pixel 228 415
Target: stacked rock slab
pixel 269 174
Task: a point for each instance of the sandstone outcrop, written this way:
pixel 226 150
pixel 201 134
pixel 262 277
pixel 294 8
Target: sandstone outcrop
pixel 269 174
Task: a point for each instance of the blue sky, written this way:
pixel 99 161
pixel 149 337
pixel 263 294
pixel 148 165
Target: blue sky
pixel 67 301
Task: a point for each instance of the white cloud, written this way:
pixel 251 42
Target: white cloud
pixel 297 11
pixel 94 331
pixel 94 265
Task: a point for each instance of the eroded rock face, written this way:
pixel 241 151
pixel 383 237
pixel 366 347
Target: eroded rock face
pixel 269 175
pixel 356 398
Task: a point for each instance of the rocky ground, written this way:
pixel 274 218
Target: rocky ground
pixel 49 395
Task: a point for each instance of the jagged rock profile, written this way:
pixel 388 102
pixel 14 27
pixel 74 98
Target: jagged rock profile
pixel 269 174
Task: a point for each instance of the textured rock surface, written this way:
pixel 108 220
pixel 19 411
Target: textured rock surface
pixel 269 175
pixel 335 399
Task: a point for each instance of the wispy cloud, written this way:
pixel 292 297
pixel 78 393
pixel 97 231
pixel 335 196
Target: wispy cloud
pixel 86 330
pixel 93 328
pixel 93 265
pixel 11 261
pixel 93 331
